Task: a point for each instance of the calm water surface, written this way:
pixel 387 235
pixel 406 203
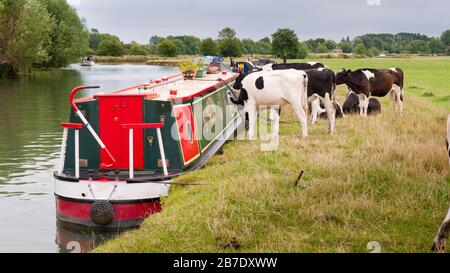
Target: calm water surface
pixel 31 110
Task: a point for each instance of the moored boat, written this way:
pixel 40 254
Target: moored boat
pixel 121 150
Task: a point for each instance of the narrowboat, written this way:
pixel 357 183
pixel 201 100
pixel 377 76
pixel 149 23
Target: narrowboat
pixel 121 151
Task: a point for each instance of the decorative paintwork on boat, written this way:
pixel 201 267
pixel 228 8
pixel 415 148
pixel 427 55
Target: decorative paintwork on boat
pixel 121 150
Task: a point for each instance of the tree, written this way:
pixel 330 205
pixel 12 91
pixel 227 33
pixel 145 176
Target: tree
pixel 345 46
pixel 25 28
pixel 155 40
pixel 322 48
pixel 209 47
pixel 229 44
pixel 166 48
pixel 436 46
pixel 360 49
pixel 95 38
pixel 137 50
pixel 227 34
pixel 302 51
pixel 111 47
pixel 263 46
pixel 248 46
pixel 445 38
pixel 69 36
pixel 285 44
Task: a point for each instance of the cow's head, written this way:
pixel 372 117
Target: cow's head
pixel 342 76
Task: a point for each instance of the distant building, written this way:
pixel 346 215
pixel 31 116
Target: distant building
pixel 337 51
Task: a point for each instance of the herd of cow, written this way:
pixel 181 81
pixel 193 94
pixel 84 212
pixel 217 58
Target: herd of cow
pixel 311 87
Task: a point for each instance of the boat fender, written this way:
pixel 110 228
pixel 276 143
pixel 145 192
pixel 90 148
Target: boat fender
pixel 102 212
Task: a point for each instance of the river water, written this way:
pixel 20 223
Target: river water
pixel 31 110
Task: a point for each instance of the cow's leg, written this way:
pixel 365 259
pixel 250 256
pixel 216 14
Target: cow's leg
pixel 275 114
pixel 301 115
pixel 315 106
pixel 253 119
pixel 398 98
pixel 441 238
pixel 363 104
pixel 331 113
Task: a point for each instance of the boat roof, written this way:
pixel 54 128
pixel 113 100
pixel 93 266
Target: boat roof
pixel 170 88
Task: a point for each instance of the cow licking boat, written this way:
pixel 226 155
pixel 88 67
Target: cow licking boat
pixel 374 82
pixel 122 150
pixel 273 88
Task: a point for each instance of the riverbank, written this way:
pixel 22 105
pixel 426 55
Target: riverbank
pixel 384 179
pixel 150 60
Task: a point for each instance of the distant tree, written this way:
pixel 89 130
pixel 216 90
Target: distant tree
pixel 111 47
pixel 302 51
pixel 322 48
pixel 374 52
pixel 330 44
pixel 95 38
pixel 227 34
pixel 229 44
pixel 167 48
pixel 25 29
pixel 263 46
pixel 180 46
pixel 346 46
pixel 425 50
pixel 285 44
pixel 69 36
pixel 248 46
pixel 192 44
pixel 360 49
pixel 136 49
pixel 445 38
pixel 436 46
pixel 209 47
pixel 155 40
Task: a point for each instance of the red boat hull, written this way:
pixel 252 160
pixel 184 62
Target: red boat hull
pixel 126 214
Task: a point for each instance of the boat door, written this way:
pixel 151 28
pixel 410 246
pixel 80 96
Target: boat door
pixel 114 111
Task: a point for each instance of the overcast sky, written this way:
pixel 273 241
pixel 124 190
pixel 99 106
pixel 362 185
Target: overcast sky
pixel 140 19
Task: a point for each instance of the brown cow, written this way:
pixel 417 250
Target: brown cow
pixel 374 82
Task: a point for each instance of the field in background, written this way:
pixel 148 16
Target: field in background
pixel 384 179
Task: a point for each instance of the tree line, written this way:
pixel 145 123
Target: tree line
pixel 284 43
pixel 43 34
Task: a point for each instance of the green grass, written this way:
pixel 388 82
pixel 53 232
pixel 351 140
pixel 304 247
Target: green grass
pixel 383 179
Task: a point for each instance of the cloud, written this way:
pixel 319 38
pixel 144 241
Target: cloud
pixel 374 2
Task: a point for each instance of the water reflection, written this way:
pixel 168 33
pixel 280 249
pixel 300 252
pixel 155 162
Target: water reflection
pixel 31 109
pixel 73 239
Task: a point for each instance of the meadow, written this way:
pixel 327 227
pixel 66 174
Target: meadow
pixel 383 179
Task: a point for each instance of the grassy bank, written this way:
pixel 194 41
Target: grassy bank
pixel 150 60
pixel 383 179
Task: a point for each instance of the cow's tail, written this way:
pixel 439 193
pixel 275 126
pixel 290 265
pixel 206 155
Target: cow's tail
pixel 401 83
pixel 305 104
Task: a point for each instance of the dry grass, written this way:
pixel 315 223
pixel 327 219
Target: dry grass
pixel 383 179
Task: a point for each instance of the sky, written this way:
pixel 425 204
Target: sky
pixel 138 20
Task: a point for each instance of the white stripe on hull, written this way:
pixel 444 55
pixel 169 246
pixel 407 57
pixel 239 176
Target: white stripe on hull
pixel 95 190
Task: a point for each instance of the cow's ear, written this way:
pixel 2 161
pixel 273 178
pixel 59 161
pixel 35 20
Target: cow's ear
pixel 349 71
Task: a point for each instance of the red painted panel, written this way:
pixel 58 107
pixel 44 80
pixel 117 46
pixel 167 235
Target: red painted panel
pixel 187 132
pixel 123 212
pixel 113 112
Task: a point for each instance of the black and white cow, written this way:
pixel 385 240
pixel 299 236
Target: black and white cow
pixel 374 82
pixel 296 66
pixel 273 88
pixel 323 113
pixel 321 89
pixel 351 105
